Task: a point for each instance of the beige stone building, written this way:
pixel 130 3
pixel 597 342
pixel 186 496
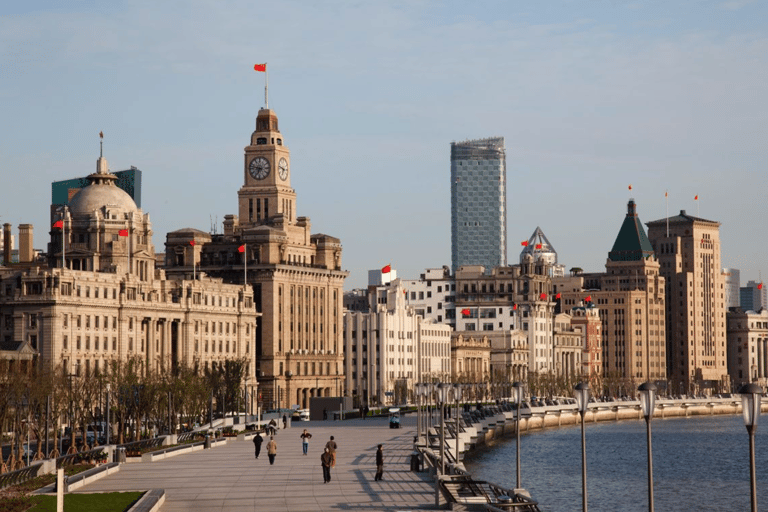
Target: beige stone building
pixel 99 297
pixel 630 299
pixel 688 250
pixel 471 357
pixel 295 275
pixel 748 347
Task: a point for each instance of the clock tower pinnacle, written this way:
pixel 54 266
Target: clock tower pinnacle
pixel 266 190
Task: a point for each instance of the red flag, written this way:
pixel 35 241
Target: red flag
pixel 630 187
pixel 514 306
pixel 666 194
pixel 386 269
pixel 465 312
pixel 557 296
pixel 524 243
pixel 59 224
pixel 241 248
pixel 588 299
pixel 260 67
pixel 760 286
pixel 191 242
pixel 538 246
pixel 696 197
pixel 543 296
pixel 123 232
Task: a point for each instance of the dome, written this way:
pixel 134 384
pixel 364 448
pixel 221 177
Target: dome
pixel 101 192
pixel 95 196
pixel 538 248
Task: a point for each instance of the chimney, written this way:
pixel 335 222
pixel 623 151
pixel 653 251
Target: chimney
pixel 7 243
pixel 26 252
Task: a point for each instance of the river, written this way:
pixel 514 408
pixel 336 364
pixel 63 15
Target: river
pixel 700 463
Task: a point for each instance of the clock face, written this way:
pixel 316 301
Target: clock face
pixel 259 168
pixel 283 169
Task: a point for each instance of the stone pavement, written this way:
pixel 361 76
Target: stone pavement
pixel 229 478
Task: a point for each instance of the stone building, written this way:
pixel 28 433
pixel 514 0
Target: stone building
pixel 688 250
pixel 630 299
pixel 388 347
pixel 471 357
pixel 748 347
pixel 99 298
pixel 295 275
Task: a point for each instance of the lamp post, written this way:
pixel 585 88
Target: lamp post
pixel 417 388
pixel 648 402
pixel 457 396
pixel 288 375
pixel 71 407
pixel 517 395
pixel 750 407
pixel 109 427
pixel 582 402
pixel 442 395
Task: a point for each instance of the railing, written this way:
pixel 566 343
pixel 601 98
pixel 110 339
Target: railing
pixel 74 458
pixel 134 449
pixel 463 490
pixel 186 436
pixel 20 475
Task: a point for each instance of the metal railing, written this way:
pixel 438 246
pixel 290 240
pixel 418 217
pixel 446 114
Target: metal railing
pixel 20 475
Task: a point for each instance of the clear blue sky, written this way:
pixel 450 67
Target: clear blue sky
pixel 590 96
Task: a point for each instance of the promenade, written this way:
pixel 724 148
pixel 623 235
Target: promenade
pixel 229 478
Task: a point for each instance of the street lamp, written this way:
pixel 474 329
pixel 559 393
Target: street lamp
pixel 517 396
pixel 457 396
pixel 750 407
pixel 442 395
pixel 582 403
pixel 418 389
pixel 647 403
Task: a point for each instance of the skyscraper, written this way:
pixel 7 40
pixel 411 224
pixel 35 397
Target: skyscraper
pixel 732 277
pixel 753 296
pixel 478 203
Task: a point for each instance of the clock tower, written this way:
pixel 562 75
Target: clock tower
pixel 266 190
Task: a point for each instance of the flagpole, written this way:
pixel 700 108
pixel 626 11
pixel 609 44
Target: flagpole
pixel 266 86
pixel 666 200
pixel 63 247
pixel 245 264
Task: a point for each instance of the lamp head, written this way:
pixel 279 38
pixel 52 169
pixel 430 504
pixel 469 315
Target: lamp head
pixel 582 396
pixel 750 403
pixel 647 398
pixel 517 392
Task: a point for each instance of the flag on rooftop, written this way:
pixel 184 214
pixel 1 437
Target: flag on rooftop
pixel 260 67
pixel 58 224
pixel 386 269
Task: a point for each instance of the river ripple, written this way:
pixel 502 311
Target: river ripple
pixel 699 464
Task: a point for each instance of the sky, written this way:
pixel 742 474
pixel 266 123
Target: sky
pixel 590 97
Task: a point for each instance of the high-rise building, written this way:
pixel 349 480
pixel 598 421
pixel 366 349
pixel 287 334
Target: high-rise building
pixel 296 276
pixel 688 249
pixel 478 203
pixel 748 347
pixel 732 277
pixel 753 296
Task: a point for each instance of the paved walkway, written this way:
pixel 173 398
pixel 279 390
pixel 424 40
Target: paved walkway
pixel 229 478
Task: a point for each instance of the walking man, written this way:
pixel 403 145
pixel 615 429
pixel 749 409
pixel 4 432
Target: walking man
pixel 257 440
pixel 379 464
pixel 271 450
pixel 325 460
pixel 305 437
pixel 331 446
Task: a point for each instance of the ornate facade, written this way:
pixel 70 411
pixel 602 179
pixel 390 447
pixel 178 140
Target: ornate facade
pixel 100 298
pixel 296 276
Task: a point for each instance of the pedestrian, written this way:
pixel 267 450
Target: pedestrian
pixel 379 463
pixel 257 440
pixel 305 437
pixel 271 450
pixel 285 421
pixel 325 460
pixel 325 414
pixel 331 446
pixel 272 427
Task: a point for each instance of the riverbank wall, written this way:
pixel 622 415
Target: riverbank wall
pixel 502 423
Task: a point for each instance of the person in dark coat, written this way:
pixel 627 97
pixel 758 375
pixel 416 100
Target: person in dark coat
pixel 257 440
pixel 379 463
pixel 285 421
pixel 331 447
pixel 325 460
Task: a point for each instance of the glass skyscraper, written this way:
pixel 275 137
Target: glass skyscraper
pixel 478 203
